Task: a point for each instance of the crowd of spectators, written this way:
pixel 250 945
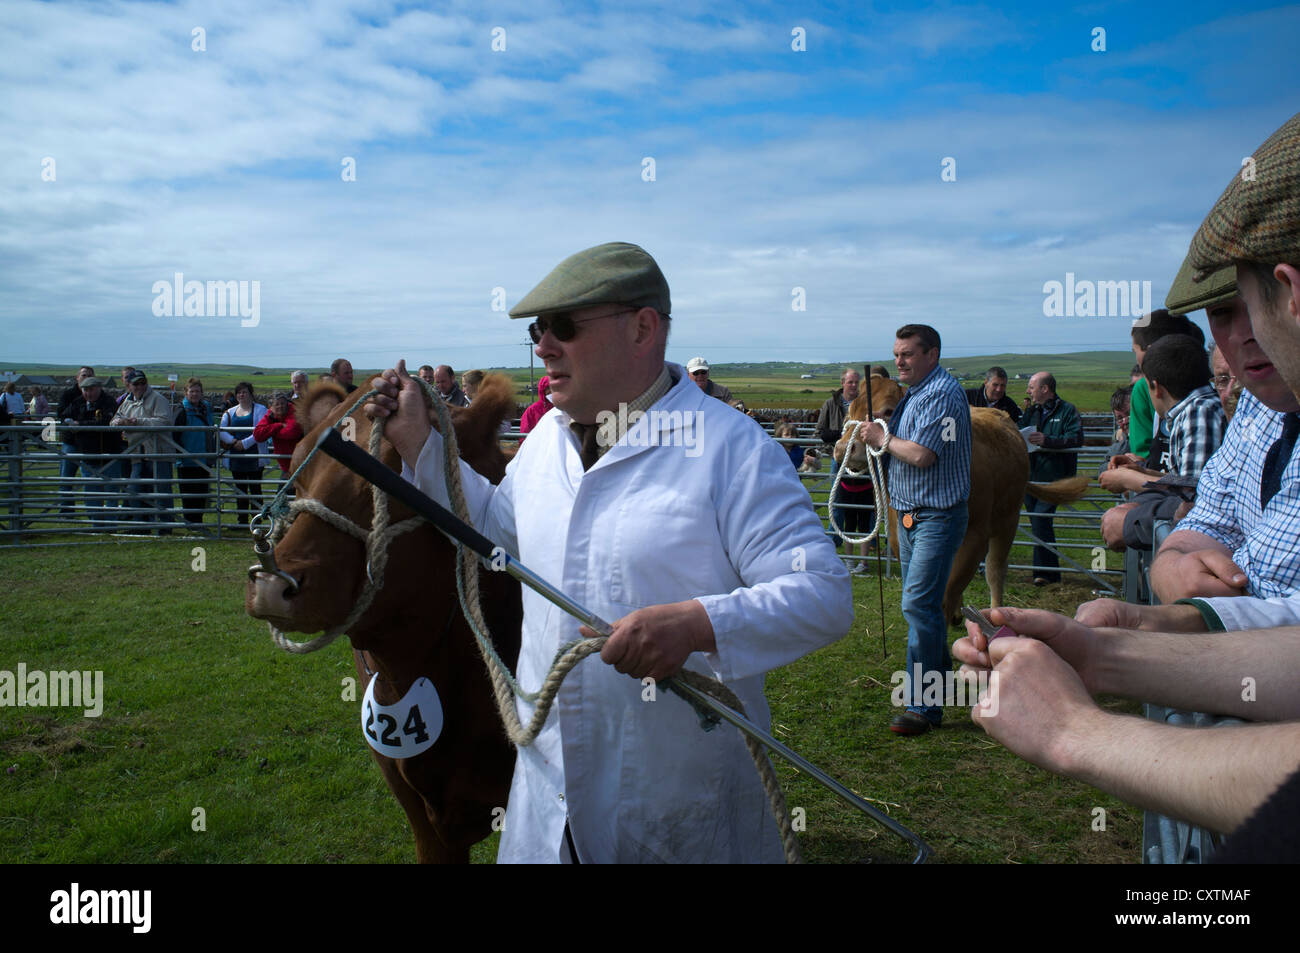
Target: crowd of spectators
pixel 126 475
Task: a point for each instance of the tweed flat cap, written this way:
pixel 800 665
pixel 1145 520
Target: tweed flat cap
pixel 613 273
pixel 1187 295
pixel 91 382
pixel 1257 218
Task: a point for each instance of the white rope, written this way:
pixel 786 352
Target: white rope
pixel 874 471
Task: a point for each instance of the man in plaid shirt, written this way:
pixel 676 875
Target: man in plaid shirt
pixel 1178 376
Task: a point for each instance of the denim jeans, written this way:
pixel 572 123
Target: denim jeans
pixel 67 470
pixel 102 496
pixel 927 550
pixel 1045 529
pixel 150 492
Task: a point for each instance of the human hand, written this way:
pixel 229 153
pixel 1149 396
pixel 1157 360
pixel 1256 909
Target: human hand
pixel 1036 704
pixel 1077 644
pixel 1036 438
pixel 1113 614
pixel 872 434
pixel 1204 572
pixel 400 402
pixel 655 641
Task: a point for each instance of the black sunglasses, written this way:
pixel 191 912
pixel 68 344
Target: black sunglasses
pixel 563 327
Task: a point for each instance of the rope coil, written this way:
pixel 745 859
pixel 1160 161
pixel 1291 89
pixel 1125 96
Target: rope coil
pixel 874 472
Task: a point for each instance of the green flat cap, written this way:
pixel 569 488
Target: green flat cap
pixel 1187 295
pixel 1257 218
pixel 613 273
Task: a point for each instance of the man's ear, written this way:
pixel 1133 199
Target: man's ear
pixel 647 328
pixel 1289 276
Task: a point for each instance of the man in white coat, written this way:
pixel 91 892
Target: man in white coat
pixel 673 514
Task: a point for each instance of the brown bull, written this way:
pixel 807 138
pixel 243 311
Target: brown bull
pixel 999 479
pixel 414 627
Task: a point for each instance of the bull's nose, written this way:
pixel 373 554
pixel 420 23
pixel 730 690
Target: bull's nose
pixel 271 597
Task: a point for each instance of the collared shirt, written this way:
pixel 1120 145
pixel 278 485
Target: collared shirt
pixel 1196 426
pixel 622 423
pixel 934 414
pixel 1264 543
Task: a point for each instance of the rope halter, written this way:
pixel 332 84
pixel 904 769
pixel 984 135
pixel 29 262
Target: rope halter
pixel 280 515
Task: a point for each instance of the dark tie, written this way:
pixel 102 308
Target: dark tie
pixel 587 437
pixel 1279 455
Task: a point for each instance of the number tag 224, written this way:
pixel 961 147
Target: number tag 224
pixel 407 728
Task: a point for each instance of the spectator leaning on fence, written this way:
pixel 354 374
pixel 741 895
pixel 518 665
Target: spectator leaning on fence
pixel 1178 378
pixel 150 487
pixel 68 466
pixel 444 383
pixel 243 451
pixel 127 373
pixel 193 474
pixel 13 400
pixel 993 393
pixel 94 408
pixel 1056 426
pixel 830 421
pixel 469 383
pixel 1119 409
pixel 1225 382
pixel 698 368
pixel 341 372
pixel 281 428
pixel 1144 424
pixel 39 406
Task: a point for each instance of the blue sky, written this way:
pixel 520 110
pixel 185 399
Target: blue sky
pixel 478 169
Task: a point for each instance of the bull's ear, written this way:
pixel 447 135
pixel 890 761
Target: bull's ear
pixel 318 404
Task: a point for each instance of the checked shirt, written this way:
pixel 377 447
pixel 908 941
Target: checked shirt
pixel 1264 543
pixel 933 413
pixel 1196 426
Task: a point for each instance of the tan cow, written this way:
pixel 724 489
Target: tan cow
pixel 414 627
pixel 999 479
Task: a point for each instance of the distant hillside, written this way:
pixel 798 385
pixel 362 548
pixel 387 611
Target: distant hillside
pixel 1088 364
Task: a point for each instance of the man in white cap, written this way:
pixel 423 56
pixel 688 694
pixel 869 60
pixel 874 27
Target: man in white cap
pixel 698 368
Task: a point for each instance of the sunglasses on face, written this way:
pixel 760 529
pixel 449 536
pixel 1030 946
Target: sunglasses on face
pixel 563 327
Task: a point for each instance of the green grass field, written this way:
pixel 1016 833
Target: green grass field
pixel 1086 379
pixel 202 712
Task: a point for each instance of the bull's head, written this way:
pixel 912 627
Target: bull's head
pixel 885 396
pixel 328 564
